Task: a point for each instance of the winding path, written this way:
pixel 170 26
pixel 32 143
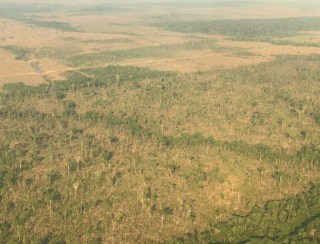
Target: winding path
pixel 106 65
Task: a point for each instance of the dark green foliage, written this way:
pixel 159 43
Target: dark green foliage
pixel 315 114
pixel 116 178
pixel 53 176
pixel 19 91
pixel 310 153
pixel 16 10
pixel 106 77
pixel 174 168
pixel 114 139
pixel 279 175
pixel 72 165
pixel 57 52
pixel 51 194
pixel 257 151
pixel 107 155
pixel 278 221
pixel 70 108
pixel 61 26
pixel 249 29
pixel 115 40
pixel 115 56
pixel 101 8
pixel 167 211
pixel 21 53
pixel 93 116
pixel 296 44
pixel 151 52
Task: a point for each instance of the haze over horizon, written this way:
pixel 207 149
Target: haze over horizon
pixel 293 4
pixel 150 1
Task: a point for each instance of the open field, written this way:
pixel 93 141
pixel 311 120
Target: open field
pixel 160 122
pixel 95 39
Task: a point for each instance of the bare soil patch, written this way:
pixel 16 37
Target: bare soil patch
pixel 9 66
pixel 287 50
pixel 193 61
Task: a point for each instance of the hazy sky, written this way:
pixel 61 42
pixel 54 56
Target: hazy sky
pixel 146 1
pixel 198 2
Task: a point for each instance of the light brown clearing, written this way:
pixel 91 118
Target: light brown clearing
pixel 9 66
pixel 287 50
pixel 263 11
pixel 12 70
pixel 131 25
pixel 18 34
pixel 23 35
pixel 267 49
pixel 193 61
pixel 185 61
pixel 244 44
pixel 50 64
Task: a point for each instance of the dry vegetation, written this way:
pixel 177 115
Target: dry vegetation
pixel 126 127
pixel 95 33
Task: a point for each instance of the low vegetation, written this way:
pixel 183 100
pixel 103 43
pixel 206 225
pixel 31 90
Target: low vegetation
pixel 61 26
pixel 292 220
pixel 19 52
pixel 162 51
pixel 123 154
pixel 114 147
pixel 248 29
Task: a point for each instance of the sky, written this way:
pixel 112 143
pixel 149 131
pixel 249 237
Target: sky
pixel 142 1
pixel 126 2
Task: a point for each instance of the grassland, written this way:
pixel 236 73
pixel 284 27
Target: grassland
pixel 139 130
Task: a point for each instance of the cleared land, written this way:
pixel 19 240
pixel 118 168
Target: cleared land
pixel 57 42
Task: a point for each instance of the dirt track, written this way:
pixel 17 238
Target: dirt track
pixel 266 54
pixel 105 65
